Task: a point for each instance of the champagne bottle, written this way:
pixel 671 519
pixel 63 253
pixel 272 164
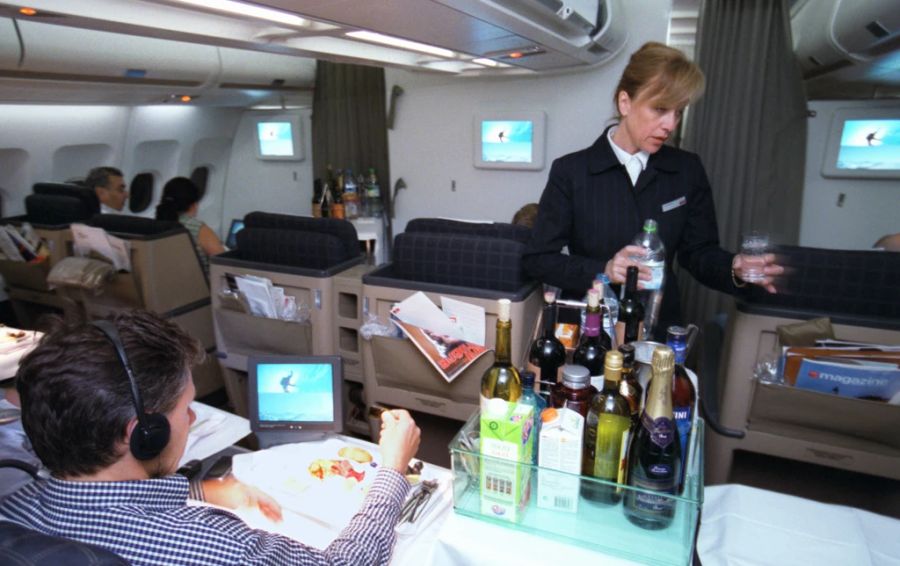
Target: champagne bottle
pixel 606 435
pixel 654 459
pixel 630 388
pixel 631 312
pixel 501 380
pixel 684 396
pixel 593 344
pixel 547 353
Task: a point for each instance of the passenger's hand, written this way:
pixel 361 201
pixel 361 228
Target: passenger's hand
pixel 616 267
pixel 771 269
pixel 230 493
pixel 399 439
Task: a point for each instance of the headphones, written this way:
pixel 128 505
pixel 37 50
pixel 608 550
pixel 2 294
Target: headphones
pixel 151 434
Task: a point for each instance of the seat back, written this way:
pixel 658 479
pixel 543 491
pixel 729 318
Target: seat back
pixel 503 230
pixel 303 256
pixel 469 262
pixel 21 545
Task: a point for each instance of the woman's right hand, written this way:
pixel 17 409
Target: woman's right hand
pixel 616 267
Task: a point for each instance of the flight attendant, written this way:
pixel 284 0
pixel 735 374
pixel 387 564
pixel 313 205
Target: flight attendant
pixel 596 199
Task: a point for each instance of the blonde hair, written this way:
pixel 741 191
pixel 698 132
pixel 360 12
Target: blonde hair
pixel 660 73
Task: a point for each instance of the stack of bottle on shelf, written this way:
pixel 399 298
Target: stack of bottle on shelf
pixel 591 417
pixel 341 195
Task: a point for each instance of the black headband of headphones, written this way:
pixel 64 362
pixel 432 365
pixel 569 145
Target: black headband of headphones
pixel 152 432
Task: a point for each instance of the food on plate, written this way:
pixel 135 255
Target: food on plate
pixel 322 468
pixel 356 454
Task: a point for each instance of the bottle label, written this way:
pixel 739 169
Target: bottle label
pixel 653 504
pixel 662 430
pixel 683 424
pixel 608 448
pixel 657 272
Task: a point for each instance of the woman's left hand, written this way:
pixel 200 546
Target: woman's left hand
pixel 230 493
pixel 769 268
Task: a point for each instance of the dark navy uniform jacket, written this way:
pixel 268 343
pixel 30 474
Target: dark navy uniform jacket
pixel 590 205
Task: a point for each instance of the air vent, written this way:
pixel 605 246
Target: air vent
pixel 877 29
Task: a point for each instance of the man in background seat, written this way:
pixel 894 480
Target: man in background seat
pixel 109 184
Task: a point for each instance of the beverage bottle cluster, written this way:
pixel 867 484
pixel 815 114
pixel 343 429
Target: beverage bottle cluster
pixel 343 195
pixel 628 436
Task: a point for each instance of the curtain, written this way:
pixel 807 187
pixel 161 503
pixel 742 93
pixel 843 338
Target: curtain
pixel 749 129
pixel 349 125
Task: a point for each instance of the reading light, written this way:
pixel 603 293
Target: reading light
pixel 242 9
pixel 401 43
pixel 28 11
pixel 184 98
pixel 486 62
pixel 515 55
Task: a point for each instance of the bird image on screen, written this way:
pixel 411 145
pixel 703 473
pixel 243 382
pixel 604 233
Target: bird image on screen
pixel 275 139
pixel 870 144
pixel 507 141
pixel 295 392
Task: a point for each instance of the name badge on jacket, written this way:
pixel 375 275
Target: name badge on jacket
pixel 672 205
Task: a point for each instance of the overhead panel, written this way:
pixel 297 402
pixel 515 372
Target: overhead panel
pixel 64 53
pixel 255 69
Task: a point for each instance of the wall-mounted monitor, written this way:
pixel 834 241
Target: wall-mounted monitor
pixel 278 137
pixel 863 143
pixel 509 140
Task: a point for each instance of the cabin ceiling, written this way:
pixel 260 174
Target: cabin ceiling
pixel 137 52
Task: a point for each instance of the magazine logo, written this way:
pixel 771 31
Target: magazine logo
pixel 848 380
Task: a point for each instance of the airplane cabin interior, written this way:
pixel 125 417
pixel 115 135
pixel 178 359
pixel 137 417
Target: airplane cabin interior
pixel 365 170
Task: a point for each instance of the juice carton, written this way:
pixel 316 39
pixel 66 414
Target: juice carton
pixel 559 448
pixel 506 434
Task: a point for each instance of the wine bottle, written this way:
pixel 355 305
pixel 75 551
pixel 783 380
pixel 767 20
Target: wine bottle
pixel 684 396
pixel 593 344
pixel 629 387
pixel 547 353
pixel 607 428
pixel 501 380
pixel 654 459
pixel 630 326
pixel 317 199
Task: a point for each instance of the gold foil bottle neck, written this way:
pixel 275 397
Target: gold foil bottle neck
pixel 614 360
pixel 663 360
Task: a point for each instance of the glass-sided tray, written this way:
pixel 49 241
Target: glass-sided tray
pixel 602 528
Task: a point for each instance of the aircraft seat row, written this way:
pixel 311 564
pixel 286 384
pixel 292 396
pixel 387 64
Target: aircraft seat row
pixel 166 277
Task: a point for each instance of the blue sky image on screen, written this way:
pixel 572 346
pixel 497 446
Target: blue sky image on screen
pixel 506 141
pixel 275 139
pixel 870 144
pixel 295 392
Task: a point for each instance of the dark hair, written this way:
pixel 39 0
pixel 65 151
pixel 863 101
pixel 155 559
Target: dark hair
pixel 178 196
pixel 526 215
pixel 76 398
pixel 99 176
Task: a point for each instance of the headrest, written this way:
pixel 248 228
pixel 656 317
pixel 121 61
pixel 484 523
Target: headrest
pixel 851 282
pixel 296 248
pixel 488 229
pixel 136 225
pixel 462 260
pixel 84 194
pixel 53 210
pixel 341 229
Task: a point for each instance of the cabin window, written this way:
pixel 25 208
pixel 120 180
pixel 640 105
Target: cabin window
pixel 200 176
pixel 141 191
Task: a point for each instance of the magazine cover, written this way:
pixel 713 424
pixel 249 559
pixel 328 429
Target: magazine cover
pixel 850 378
pixel 440 338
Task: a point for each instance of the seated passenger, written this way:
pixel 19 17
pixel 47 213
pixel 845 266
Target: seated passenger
pixel 78 411
pixel 179 203
pixel 109 184
pixel 526 215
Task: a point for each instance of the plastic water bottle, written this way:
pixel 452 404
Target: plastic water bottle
pixel 655 259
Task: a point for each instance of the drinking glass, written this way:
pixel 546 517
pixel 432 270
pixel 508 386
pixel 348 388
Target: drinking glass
pixel 754 247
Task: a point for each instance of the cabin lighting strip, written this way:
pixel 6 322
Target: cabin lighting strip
pixel 401 43
pixel 242 9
